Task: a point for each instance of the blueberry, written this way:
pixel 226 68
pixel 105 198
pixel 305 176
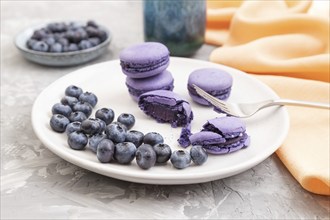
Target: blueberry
pixel 73 126
pixel 180 159
pixel 92 24
pixel 85 44
pixel 145 156
pixel 163 152
pixel 102 35
pixel 94 41
pixel 59 122
pixel 127 119
pixel 84 107
pixel 57 27
pixel 30 43
pixel 198 154
pixel 59 108
pixel 124 152
pixel 102 125
pixel 69 100
pixel 63 41
pixel 95 140
pixel 120 124
pixel 72 47
pixel 77 140
pixel 39 34
pixel 40 46
pixel 136 137
pixel 56 48
pixel 116 133
pixel 92 31
pixel 105 114
pixel 90 126
pixel 49 40
pixel 105 151
pixel 153 138
pixel 89 97
pixel 74 91
pixel 77 116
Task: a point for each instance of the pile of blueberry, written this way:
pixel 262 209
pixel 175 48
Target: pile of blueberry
pixel 63 37
pixel 114 141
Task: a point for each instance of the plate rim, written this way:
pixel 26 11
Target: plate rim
pixel 152 178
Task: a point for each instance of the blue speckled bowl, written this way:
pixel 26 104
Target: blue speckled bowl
pixel 59 59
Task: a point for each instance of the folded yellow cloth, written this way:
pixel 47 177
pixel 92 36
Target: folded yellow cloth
pixel 280 39
pixel 270 37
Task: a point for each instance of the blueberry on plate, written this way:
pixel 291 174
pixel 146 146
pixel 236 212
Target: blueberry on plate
pixel 95 140
pixel 145 156
pixel 40 46
pixel 74 91
pixel 61 109
pixel 105 114
pixel 127 119
pixel 63 41
pixel 153 138
pixel 88 97
pixel 180 159
pixel 73 126
pixel 77 116
pixel 59 122
pixel 69 100
pixel 50 40
pixel 105 151
pixel 30 43
pixel 77 140
pixel 120 124
pixel 136 137
pixel 124 152
pixel 90 126
pixel 198 154
pixel 116 133
pixel 102 125
pixel 163 152
pixel 84 107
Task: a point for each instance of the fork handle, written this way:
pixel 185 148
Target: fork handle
pixel 299 103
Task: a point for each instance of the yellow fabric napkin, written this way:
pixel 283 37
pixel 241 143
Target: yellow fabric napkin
pixel 280 40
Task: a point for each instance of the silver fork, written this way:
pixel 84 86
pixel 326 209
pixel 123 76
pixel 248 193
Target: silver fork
pixel 244 110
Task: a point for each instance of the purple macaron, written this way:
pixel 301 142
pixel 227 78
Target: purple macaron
pixel 162 81
pixel 214 81
pixel 144 60
pixel 222 135
pixel 166 107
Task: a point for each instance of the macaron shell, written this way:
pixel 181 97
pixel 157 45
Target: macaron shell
pixel 144 60
pixel 206 138
pixel 229 127
pixel 202 101
pixel 211 79
pixel 169 101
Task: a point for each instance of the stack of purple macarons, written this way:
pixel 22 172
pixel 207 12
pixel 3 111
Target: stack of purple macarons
pixel 150 84
pixel 145 66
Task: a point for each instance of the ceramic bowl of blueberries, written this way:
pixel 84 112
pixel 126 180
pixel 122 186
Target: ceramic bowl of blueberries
pixel 63 43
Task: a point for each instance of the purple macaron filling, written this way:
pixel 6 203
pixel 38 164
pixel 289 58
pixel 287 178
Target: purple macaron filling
pixel 166 107
pixel 184 139
pixel 131 67
pixel 135 93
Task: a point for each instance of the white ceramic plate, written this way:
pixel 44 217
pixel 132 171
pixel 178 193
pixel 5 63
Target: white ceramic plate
pixel 267 129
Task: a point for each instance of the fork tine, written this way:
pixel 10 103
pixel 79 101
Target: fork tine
pixel 214 101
